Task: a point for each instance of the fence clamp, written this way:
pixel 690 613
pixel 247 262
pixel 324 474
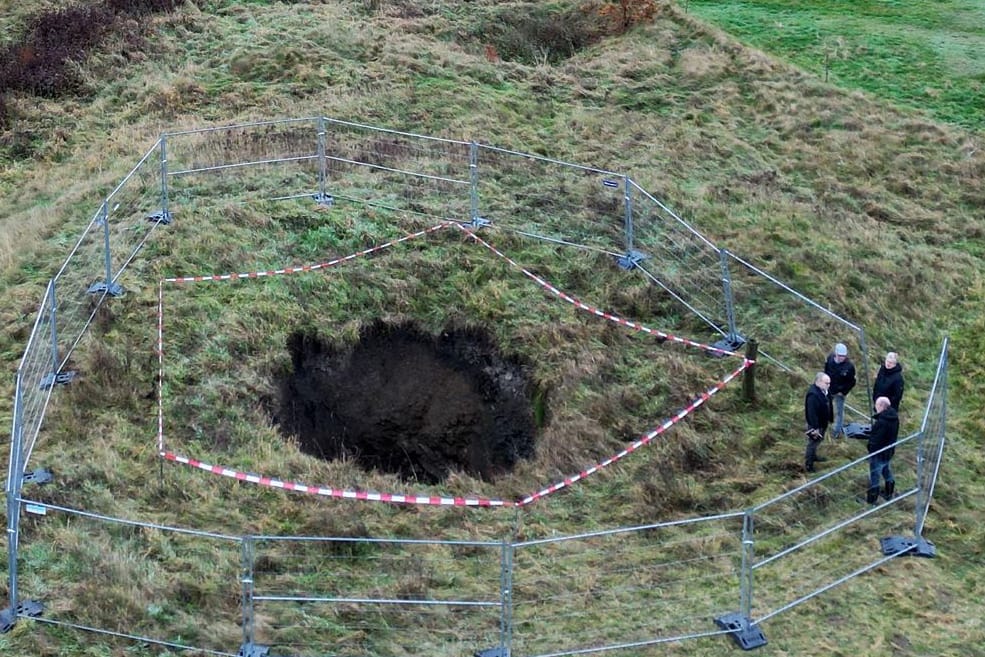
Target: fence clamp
pixel 323 200
pixel 746 635
pixel 52 379
pixel 8 616
pixel 631 259
pixel 39 476
pixel 903 546
pixel 162 217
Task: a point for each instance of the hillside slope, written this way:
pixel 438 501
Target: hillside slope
pixel 876 210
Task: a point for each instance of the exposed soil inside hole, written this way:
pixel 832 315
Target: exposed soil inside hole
pixel 410 403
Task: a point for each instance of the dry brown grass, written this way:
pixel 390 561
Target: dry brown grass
pixel 874 210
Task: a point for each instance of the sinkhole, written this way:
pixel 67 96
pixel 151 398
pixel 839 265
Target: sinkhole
pixel 404 401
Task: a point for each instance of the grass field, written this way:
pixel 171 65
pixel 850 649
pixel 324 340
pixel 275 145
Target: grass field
pixel 925 56
pixel 837 145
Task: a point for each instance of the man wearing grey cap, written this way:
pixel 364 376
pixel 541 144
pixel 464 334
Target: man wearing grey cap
pixel 842 373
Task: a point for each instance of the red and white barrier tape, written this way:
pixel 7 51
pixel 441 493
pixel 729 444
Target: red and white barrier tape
pixel 591 309
pixel 398 498
pixel 304 268
pixel 641 442
pixel 441 500
pixel 394 498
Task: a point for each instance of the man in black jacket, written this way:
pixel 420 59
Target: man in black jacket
pixel 882 439
pixel 817 415
pixel 842 372
pixel 889 381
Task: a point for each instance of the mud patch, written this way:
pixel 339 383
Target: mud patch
pixel 406 402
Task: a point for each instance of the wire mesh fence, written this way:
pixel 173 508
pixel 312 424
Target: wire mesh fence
pixel 552 200
pixel 249 162
pixel 826 530
pixel 680 260
pixel 425 178
pixel 625 588
pixel 134 581
pixel 133 210
pixel 314 595
pixel 365 596
pixel 36 378
pixel 80 286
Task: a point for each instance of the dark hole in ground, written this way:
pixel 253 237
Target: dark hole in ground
pixel 410 403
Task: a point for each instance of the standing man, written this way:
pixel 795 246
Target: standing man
pixel 842 372
pixel 817 414
pixel 889 381
pixel 882 438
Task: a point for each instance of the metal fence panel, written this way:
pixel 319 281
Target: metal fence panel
pixel 552 200
pixel 130 208
pixel 132 580
pixel 790 328
pixel 679 260
pixel 79 286
pixel 422 177
pixel 35 379
pixel 815 535
pixel 625 588
pixel 353 596
pixel 243 163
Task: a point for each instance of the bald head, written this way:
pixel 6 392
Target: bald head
pixel 882 403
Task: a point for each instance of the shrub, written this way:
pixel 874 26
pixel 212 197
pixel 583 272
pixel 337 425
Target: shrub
pixel 535 34
pixel 44 60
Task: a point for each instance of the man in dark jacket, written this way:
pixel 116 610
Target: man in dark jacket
pixel 842 372
pixel 882 439
pixel 889 381
pixel 817 415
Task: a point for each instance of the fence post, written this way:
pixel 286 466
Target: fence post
pixel 506 599
pixel 9 616
pixel 322 197
pixel 631 257
pixel 164 217
pixel 863 345
pixel 926 484
pixel 733 334
pixel 628 214
pixel 15 481
pixel 745 585
pixel 746 635
pixel 749 375
pixel 107 286
pixel 56 376
pixel 475 219
pixel 53 321
pixel 246 582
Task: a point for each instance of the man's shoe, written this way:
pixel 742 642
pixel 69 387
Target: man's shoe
pixel 820 459
pixel 890 489
pixel 809 467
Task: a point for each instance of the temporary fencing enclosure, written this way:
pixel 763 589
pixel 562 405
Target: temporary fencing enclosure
pixel 387 595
